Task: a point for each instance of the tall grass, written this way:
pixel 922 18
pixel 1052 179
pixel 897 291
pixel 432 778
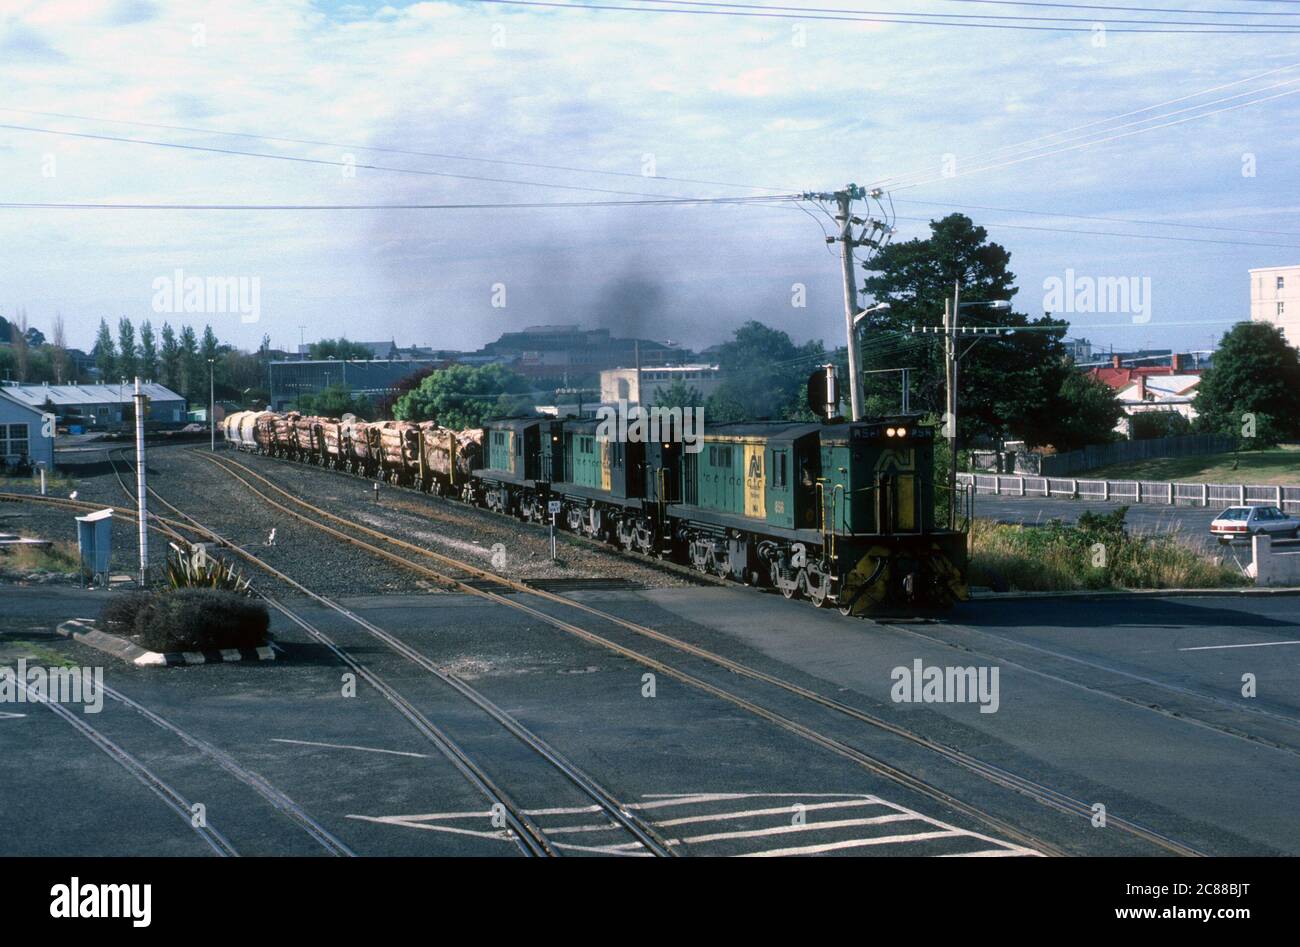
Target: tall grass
pixel 59 556
pixel 1098 553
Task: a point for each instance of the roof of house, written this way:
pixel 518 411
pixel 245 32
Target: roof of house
pixel 1121 378
pixel 22 404
pixel 1167 386
pixel 38 395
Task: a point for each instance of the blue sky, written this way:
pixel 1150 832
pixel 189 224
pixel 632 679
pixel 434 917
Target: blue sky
pixel 722 99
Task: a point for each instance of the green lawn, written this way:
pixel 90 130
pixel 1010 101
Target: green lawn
pixel 1277 465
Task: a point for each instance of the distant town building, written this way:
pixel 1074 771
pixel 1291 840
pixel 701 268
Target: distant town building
pixel 1145 388
pixel 1275 298
pixel 100 407
pixel 1080 350
pixel 290 380
pixel 621 383
pixel 571 352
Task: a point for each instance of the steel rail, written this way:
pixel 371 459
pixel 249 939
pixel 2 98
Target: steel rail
pixel 871 763
pixel 1033 789
pixel 173 799
pixel 616 810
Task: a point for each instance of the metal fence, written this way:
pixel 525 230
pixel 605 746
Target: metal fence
pixel 1129 452
pixel 1137 491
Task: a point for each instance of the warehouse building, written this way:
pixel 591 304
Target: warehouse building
pixel 23 434
pixel 100 407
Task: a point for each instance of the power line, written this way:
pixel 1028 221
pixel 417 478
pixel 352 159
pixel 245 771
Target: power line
pixel 988 153
pixel 1099 141
pixel 756 12
pixel 498 205
pixel 1169 10
pixel 1114 220
pixel 395 151
pixel 320 161
pixel 1135 236
pixel 962 17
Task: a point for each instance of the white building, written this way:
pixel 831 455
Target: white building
pixel 621 383
pixel 1146 393
pixel 22 433
pixel 1275 298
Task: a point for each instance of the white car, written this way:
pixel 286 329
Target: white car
pixel 1242 522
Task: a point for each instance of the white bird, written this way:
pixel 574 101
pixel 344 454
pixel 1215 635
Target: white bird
pixel 72 495
pixel 270 540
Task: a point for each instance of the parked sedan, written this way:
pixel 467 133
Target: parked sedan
pixel 1242 522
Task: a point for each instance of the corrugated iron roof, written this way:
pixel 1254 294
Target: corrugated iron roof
pixel 37 395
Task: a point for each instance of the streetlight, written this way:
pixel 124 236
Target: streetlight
pixel 855 358
pixel 951 309
pixel 212 408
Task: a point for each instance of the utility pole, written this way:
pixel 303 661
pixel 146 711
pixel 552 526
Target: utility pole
pixel 950 309
pixel 844 203
pixel 636 348
pixel 212 409
pixel 141 512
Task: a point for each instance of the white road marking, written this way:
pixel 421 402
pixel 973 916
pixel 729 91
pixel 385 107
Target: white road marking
pixel 9 716
pixel 781 810
pixel 989 853
pixel 854 843
pixel 802 827
pixel 624 848
pixel 1222 647
pixel 397 820
pixel 348 746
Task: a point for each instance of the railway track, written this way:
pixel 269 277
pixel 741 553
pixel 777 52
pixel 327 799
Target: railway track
pixel 531 838
pixel 999 776
pixel 477 577
pixel 183 808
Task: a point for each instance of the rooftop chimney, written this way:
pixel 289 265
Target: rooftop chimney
pixel 1176 363
pixel 1142 387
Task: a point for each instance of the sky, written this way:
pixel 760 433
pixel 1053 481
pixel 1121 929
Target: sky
pixel 477 95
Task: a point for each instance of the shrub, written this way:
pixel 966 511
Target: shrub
pixel 1097 553
pixel 193 567
pixel 201 620
pixel 120 611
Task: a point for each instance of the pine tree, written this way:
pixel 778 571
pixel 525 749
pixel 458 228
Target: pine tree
pixel 170 358
pixel 105 353
pixel 191 367
pixel 148 352
pixel 127 362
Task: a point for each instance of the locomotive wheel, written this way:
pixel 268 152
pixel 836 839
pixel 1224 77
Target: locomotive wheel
pixel 818 584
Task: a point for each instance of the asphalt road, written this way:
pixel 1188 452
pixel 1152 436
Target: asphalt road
pixel 1133 704
pixel 1190 523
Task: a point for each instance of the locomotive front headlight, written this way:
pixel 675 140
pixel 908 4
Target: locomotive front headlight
pixel 889 432
pixel 902 432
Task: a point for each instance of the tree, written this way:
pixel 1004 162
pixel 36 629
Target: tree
pixel 170 358
pixel 339 348
pixel 18 339
pixel 678 395
pixel 127 361
pixel 1007 382
pixel 1084 411
pixel 336 401
pixel 105 353
pixel 1253 388
pixel 463 396
pixel 1145 425
pixel 191 367
pixel 148 351
pixel 59 353
pixel 764 374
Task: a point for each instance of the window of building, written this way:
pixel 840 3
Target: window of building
pixel 13 440
pixel 1281 282
pixel 1281 307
